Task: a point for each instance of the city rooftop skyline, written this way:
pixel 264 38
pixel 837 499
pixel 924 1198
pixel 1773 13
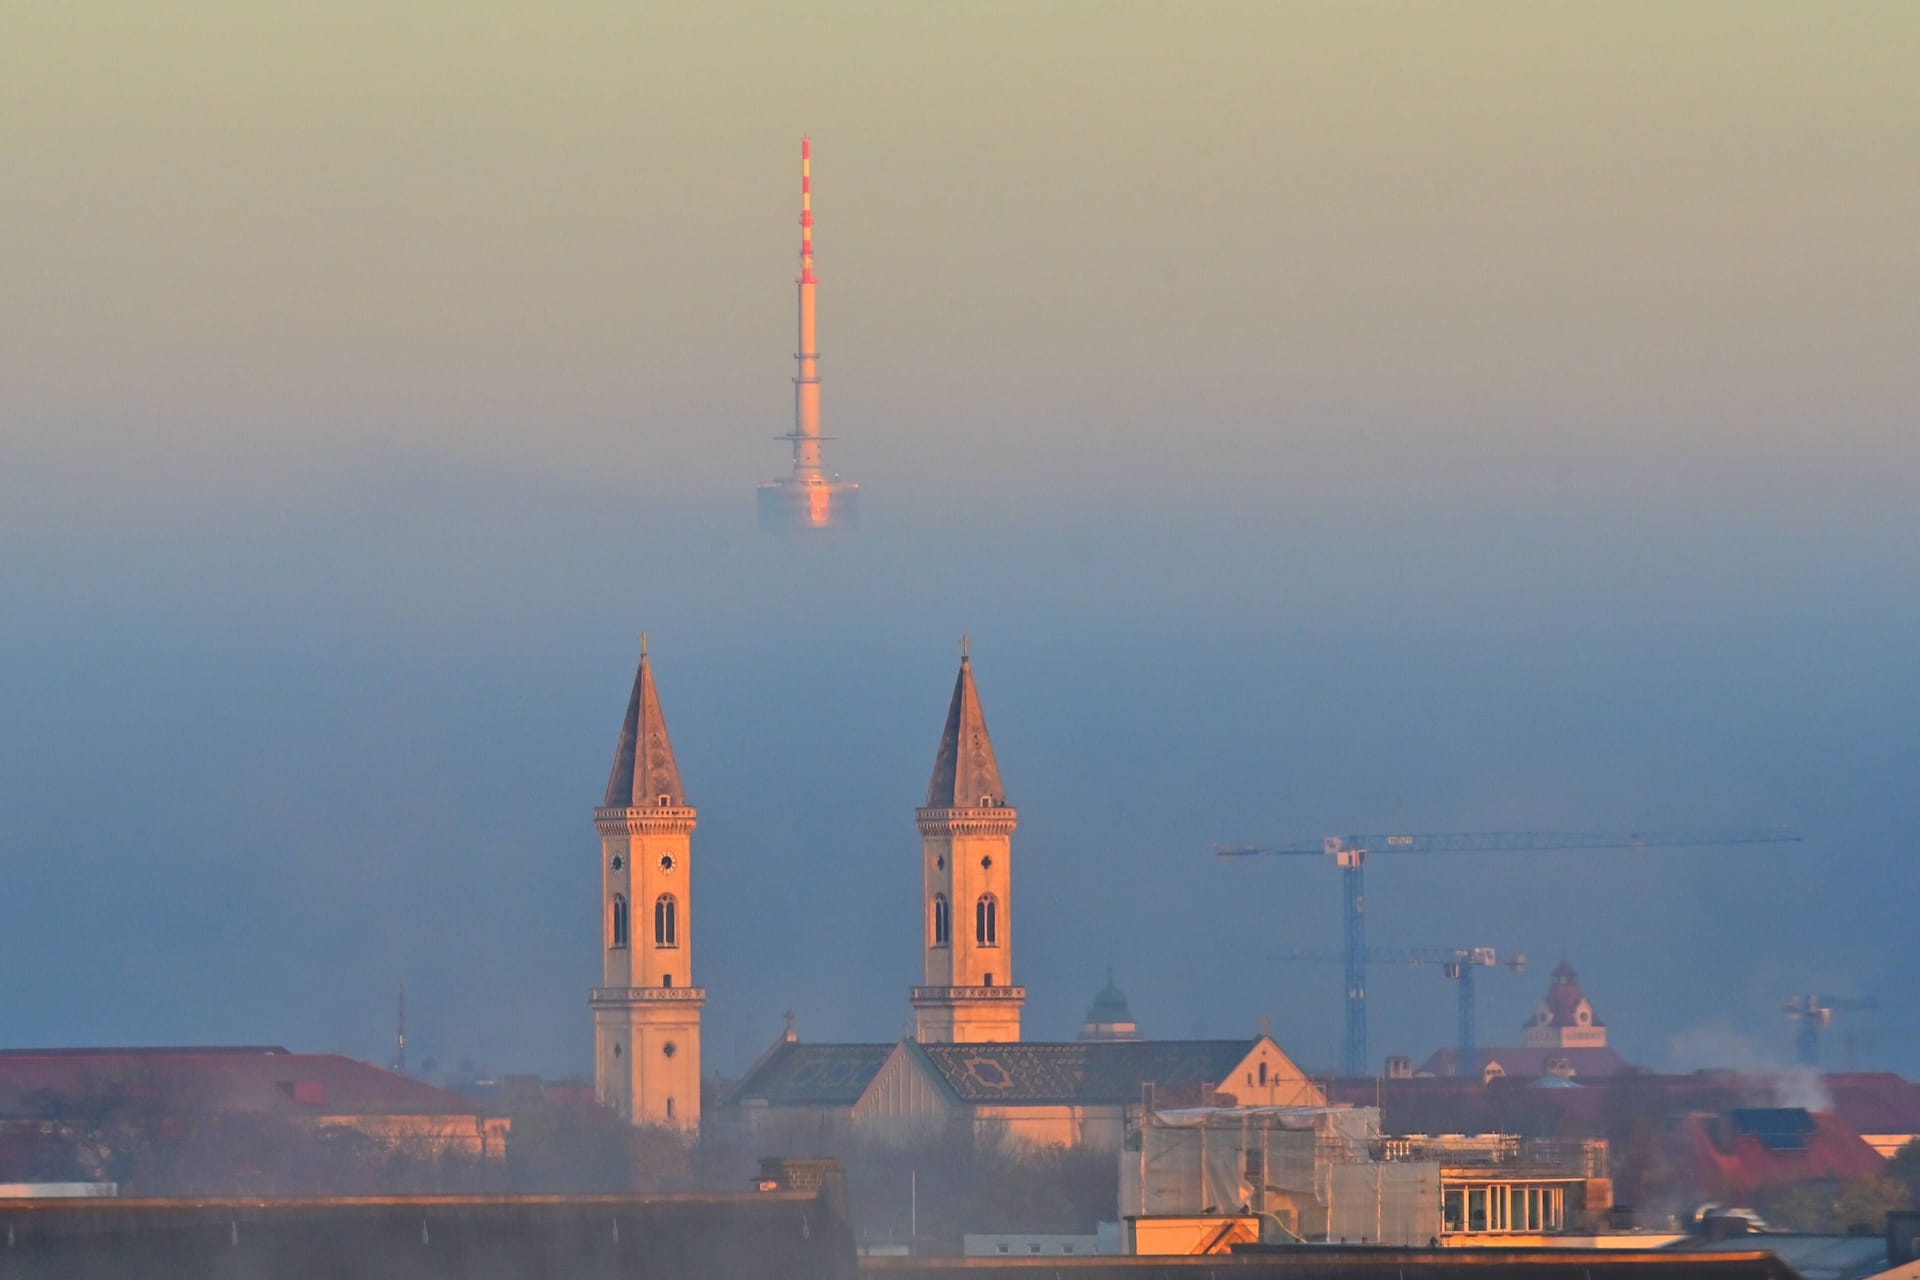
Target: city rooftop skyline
pixel 1322 419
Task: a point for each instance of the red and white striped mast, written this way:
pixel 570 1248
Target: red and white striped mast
pixel 810 497
pixel 806 385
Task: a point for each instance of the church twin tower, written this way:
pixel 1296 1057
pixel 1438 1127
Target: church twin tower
pixel 646 1016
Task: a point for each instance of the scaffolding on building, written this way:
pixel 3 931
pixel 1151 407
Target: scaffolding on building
pixel 1308 1173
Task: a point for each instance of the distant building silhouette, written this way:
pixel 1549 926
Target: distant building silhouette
pixel 1564 1039
pixel 1108 1017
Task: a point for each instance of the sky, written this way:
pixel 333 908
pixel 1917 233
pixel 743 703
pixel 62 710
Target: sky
pixel 1322 418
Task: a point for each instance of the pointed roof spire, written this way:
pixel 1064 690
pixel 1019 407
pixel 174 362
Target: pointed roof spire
pixel 644 773
pixel 965 774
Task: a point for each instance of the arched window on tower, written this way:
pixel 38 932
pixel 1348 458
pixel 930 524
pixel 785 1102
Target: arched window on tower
pixel 666 921
pixel 942 920
pixel 986 921
pixel 619 921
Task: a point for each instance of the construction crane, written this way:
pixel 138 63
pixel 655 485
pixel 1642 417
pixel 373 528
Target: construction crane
pixel 1457 963
pixel 1349 853
pixel 1815 1014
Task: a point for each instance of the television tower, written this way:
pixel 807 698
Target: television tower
pixel 809 498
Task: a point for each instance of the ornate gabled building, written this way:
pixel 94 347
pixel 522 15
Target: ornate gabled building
pixel 1565 1019
pixel 646 1012
pixel 966 854
pixel 1564 1039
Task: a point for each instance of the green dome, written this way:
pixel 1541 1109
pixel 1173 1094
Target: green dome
pixel 1110 1006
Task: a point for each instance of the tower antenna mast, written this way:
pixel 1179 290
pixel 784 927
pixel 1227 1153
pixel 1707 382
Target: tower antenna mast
pixel 808 497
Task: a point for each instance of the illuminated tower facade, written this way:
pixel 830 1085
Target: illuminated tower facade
pixel 646 1012
pixel 809 498
pixel 966 847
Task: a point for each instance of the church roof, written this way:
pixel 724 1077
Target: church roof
pixel 1086 1072
pixel 794 1074
pixel 965 774
pixel 644 773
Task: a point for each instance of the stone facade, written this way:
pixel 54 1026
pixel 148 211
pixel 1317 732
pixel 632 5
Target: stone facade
pixel 966 854
pixel 646 1012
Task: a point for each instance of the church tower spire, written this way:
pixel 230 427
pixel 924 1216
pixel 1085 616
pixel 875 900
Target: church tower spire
pixel 966 838
pixel 646 1013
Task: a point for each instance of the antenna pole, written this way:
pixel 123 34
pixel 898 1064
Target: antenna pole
pixel 400 1035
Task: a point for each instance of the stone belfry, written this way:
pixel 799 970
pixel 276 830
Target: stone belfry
pixel 966 846
pixel 646 1012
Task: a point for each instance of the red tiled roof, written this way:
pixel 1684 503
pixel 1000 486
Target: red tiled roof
pixel 225 1079
pixel 1737 1158
pixel 1875 1101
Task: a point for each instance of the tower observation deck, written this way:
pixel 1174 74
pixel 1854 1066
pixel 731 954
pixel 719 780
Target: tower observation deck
pixel 810 497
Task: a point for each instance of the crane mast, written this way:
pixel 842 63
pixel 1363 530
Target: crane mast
pixel 1815 1013
pixel 1350 853
pixel 1458 964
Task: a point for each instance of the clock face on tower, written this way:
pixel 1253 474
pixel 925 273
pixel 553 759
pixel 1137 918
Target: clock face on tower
pixel 618 862
pixel 666 862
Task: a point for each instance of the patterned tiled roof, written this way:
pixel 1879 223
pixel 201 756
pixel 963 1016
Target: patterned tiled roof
pixel 1082 1072
pixel 820 1075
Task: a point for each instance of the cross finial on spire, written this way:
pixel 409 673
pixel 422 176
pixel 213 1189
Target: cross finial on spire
pixel 963 646
pixel 643 644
